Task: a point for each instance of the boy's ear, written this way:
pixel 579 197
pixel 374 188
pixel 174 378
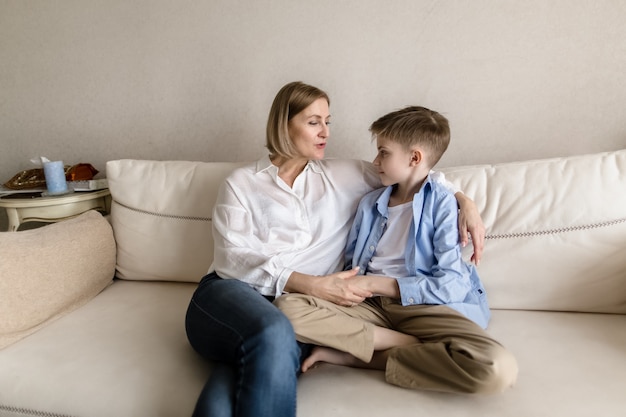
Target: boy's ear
pixel 416 156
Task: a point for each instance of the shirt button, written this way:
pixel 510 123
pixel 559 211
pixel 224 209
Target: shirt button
pixel 372 248
pixel 411 300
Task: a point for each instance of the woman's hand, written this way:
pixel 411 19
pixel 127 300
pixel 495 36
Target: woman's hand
pixel 344 288
pixel 471 223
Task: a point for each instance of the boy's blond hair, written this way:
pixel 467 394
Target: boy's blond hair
pixel 415 125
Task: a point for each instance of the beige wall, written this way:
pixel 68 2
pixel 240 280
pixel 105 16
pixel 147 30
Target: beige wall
pixel 90 81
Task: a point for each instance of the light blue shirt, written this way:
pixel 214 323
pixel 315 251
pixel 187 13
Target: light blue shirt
pixel 436 271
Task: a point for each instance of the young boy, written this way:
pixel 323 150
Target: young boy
pixel 424 323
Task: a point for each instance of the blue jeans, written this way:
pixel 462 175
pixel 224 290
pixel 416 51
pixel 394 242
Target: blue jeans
pixel 253 347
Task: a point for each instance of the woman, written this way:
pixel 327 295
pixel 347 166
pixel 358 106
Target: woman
pixel 280 225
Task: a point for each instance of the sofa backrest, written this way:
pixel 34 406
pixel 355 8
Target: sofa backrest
pixel 556 231
pixel 556 228
pixel 161 217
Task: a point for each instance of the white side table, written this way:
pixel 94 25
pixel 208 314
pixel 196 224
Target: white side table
pixel 54 208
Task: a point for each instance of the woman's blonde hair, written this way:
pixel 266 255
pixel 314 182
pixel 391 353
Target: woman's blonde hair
pixel 289 101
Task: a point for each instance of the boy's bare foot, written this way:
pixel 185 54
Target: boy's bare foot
pixel 329 355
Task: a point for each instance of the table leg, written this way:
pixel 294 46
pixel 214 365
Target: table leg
pixel 14 219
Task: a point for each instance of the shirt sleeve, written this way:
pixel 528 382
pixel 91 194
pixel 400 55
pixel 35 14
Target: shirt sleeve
pixel 349 260
pixel 237 251
pixel 447 279
pixel 440 178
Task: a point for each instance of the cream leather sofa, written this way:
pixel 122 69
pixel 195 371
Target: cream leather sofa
pixel 76 344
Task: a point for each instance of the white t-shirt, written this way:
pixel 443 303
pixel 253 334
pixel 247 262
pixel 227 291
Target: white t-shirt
pixel 389 259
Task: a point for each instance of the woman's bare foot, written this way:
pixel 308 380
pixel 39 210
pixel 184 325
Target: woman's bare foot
pixel 329 355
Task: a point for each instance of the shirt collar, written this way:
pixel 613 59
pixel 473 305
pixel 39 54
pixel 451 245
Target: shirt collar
pixel 265 164
pixel 382 202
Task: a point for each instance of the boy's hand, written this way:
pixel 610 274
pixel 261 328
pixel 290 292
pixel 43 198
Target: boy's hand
pixel 471 225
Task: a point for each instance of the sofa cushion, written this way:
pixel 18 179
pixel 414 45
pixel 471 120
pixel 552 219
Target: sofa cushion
pixel 556 231
pixel 125 354
pixel 50 271
pixel 161 217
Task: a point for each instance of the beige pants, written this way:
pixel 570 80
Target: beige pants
pixel 454 353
